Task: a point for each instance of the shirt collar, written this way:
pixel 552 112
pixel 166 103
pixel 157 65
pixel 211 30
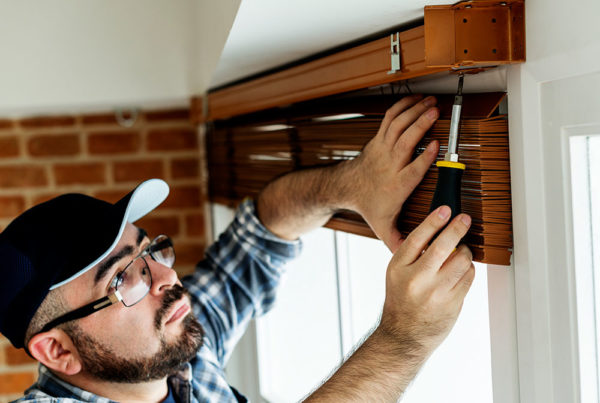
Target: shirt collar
pixel 51 384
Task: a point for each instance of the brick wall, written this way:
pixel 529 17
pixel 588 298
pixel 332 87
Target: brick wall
pixel 41 157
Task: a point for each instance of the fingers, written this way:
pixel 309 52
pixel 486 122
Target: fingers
pixel 414 244
pixel 404 147
pixel 396 110
pixel 437 253
pixel 420 113
pixel 455 268
pixel 464 284
pixel 414 172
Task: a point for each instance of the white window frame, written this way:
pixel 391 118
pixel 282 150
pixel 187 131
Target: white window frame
pixel 543 261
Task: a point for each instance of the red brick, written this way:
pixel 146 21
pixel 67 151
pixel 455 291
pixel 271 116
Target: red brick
pixel 111 196
pixel 22 176
pixel 168 114
pixel 138 171
pixel 47 121
pixel 99 119
pixel 51 145
pixel 114 142
pixel 194 224
pixel 188 253
pixel 185 168
pixel 196 110
pixel 17 382
pixel 11 206
pixel 172 139
pixel 159 225
pixel 6 124
pixel 85 173
pixel 15 356
pixel 45 197
pixel 9 146
pixel 183 196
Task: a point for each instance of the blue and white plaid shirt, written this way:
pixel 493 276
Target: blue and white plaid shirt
pixel 234 283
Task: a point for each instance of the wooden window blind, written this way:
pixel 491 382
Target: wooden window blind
pixel 246 152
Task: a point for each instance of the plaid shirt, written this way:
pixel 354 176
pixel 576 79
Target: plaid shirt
pixel 234 283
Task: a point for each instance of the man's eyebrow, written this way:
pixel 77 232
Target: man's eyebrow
pixel 125 251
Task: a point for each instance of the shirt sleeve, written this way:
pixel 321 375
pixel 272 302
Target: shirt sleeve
pixel 238 278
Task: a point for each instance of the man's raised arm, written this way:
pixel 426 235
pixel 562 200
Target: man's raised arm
pixel 375 184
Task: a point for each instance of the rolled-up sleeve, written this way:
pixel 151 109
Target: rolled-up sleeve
pixel 237 280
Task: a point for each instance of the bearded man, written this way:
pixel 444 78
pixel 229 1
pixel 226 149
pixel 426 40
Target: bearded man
pixel 95 300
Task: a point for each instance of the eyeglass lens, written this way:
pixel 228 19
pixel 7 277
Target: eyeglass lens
pixel 135 281
pixel 162 250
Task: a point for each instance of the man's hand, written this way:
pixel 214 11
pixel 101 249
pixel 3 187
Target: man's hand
pixel 425 290
pixel 426 283
pixel 383 174
pixel 375 184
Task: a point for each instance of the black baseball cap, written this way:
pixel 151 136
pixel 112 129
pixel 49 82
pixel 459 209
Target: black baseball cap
pixel 56 241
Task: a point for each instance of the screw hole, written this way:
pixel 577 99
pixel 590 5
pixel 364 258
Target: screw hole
pixel 493 20
pixel 493 50
pixel 464 20
pixel 466 51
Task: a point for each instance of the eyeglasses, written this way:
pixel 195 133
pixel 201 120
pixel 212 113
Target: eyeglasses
pixel 130 285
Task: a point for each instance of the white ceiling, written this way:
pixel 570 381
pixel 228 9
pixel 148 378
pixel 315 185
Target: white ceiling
pixel 270 33
pixel 68 55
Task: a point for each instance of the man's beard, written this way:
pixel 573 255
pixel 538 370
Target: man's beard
pixel 100 362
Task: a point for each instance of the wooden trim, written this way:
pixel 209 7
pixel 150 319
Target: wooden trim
pixel 494 35
pixel 363 66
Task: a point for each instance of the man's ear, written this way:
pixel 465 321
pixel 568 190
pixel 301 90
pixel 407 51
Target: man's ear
pixel 55 350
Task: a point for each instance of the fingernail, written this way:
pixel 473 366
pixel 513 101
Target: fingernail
pixel 432 147
pixel 432 113
pixel 429 101
pixel 444 212
pixel 465 219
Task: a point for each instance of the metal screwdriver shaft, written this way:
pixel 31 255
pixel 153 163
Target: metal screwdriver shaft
pixel 447 191
pixel 451 155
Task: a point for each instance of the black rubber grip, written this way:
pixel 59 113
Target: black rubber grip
pixel 447 190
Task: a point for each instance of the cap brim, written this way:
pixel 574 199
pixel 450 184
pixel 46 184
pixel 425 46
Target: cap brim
pixel 139 202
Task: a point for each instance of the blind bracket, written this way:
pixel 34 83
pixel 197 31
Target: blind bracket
pixel 396 61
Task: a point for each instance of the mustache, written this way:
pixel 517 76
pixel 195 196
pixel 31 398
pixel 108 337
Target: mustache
pixel 172 295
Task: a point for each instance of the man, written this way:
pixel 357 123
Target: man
pixel 96 302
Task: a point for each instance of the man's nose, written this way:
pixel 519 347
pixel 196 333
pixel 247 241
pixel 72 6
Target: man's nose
pixel 163 277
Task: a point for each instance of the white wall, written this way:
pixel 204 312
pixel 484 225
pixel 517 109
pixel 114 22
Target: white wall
pixel 64 54
pixel 563 41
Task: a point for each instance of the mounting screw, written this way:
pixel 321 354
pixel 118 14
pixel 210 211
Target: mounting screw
pixel 466 51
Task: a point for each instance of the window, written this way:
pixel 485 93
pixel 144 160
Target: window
pixel 585 187
pixel 460 368
pixel 332 298
pixel 299 340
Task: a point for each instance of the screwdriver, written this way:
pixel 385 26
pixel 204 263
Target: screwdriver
pixel 447 190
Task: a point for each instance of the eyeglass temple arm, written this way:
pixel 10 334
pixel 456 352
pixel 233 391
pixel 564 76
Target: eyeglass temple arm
pixel 84 310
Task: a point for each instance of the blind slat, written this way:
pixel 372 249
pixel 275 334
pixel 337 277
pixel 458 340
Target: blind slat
pixel 246 153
